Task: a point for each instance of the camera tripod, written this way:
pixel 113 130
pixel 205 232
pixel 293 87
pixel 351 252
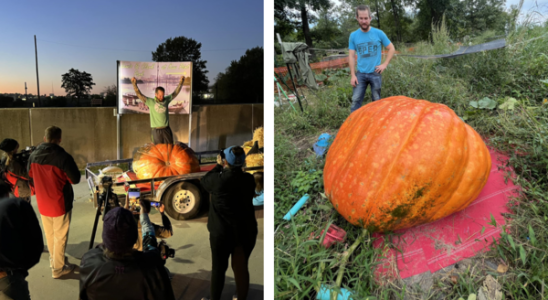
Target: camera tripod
pixel 103 204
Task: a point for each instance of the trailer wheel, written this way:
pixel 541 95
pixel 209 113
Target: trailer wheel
pixel 182 201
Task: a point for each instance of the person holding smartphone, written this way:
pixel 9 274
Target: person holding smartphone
pixel 231 223
pixel 163 232
pixel 115 271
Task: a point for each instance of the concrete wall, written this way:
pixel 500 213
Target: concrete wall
pixel 219 126
pixel 14 123
pixel 90 134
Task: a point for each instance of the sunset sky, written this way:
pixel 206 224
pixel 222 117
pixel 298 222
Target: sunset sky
pixel 92 35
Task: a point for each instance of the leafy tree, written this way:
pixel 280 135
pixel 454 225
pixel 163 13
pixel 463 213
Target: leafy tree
pixel 185 49
pixel 326 31
pixel 305 10
pixel 242 81
pixel 482 15
pixel 111 93
pixel 430 12
pixel 462 17
pixel 77 83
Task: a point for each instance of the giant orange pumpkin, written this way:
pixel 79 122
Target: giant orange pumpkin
pixel 164 160
pixel 401 162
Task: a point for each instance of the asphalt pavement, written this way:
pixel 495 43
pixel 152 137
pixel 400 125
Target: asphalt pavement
pixel 191 265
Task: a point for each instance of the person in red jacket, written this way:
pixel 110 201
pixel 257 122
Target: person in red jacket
pixel 53 171
pixel 15 170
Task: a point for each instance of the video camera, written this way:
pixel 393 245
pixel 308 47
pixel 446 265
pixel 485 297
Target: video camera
pixel 24 155
pixel 108 194
pixel 166 251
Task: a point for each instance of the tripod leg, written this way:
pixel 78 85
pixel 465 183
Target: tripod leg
pixel 94 227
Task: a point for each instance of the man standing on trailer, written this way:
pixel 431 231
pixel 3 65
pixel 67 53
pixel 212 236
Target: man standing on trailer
pixel 366 42
pixel 159 112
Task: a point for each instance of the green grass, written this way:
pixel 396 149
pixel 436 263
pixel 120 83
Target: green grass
pixel 522 133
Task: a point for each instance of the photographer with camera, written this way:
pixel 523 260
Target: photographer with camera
pixel 114 270
pixel 53 171
pixel 162 232
pixel 13 169
pixel 231 223
pixel 21 245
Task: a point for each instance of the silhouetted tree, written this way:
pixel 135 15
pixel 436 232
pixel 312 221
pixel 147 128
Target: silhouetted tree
pixel 243 80
pixel 77 83
pixel 185 49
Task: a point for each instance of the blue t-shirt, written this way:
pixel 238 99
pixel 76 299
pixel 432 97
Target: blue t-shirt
pixel 368 48
pixel 259 200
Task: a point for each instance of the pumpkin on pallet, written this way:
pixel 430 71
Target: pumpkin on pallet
pixel 163 160
pixel 400 162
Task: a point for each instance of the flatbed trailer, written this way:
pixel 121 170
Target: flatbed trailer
pixel 181 194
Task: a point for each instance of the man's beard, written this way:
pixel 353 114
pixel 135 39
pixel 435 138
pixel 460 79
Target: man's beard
pixel 365 27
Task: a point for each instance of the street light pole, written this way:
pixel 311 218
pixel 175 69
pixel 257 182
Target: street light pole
pixel 37 78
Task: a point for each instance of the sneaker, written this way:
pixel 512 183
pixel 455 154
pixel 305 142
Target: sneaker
pixel 67 269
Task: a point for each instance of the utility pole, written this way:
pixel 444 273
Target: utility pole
pixel 37 79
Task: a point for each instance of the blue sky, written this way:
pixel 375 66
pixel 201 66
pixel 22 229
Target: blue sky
pixel 91 35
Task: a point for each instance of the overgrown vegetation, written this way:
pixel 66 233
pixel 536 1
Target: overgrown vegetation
pixel 499 93
pixel 324 24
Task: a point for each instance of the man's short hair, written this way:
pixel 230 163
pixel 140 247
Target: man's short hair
pixel 159 89
pixel 53 133
pixel 362 8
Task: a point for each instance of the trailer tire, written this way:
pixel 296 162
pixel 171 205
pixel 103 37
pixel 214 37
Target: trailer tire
pixel 182 201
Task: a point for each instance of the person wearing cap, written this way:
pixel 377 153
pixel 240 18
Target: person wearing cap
pixel 114 270
pixel 21 245
pixel 15 170
pixel 53 172
pixel 231 223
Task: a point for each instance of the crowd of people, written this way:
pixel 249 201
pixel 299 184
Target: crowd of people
pixel 128 263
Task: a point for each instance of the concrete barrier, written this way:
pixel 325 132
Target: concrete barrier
pixel 90 134
pixel 15 124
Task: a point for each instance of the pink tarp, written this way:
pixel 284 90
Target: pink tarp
pixel 433 246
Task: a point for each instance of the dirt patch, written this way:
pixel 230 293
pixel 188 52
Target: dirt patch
pixel 427 284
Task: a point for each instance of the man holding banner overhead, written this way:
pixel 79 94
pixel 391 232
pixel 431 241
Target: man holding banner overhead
pixel 159 112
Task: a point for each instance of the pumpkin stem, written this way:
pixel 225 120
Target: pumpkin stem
pixel 344 260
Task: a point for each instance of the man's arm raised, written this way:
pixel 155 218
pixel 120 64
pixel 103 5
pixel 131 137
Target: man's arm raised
pixel 178 89
pixel 137 91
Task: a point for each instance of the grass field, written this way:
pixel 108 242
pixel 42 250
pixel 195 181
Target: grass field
pixel 518 125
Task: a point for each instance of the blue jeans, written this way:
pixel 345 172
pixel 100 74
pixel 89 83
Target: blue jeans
pixel 364 79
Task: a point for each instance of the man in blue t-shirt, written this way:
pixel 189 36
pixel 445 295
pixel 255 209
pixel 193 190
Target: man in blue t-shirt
pixel 366 44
